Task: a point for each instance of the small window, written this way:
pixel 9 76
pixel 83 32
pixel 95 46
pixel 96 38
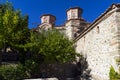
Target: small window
pixel 84 38
pixel 75 35
pixel 98 30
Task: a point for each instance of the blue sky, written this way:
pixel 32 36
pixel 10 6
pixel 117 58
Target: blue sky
pixel 35 8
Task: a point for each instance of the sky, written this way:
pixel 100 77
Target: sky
pixel 35 8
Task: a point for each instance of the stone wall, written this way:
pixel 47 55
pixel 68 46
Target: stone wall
pixel 60 71
pixel 101 45
pixel 72 26
pixel 117 37
pixel 69 28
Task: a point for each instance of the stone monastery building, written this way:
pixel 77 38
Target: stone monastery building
pixel 99 41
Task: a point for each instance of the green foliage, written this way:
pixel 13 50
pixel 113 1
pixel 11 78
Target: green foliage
pixel 32 68
pixel 51 45
pixel 48 47
pixel 14 30
pixel 118 60
pixel 114 75
pixel 13 26
pixel 10 72
pixel 44 47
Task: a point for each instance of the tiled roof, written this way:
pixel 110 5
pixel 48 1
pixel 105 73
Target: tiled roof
pixel 48 15
pixel 75 8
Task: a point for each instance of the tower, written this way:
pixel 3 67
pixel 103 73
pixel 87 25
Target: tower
pixel 48 18
pixel 74 13
pixel 47 21
pixel 73 22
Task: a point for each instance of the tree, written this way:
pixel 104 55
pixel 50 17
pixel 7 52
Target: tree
pixel 13 25
pixel 34 48
pixel 14 33
pixel 52 45
pixel 48 47
pixel 14 30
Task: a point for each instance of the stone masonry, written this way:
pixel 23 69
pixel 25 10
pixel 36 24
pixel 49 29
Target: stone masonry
pixel 99 41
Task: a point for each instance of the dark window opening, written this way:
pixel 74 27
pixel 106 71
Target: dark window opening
pixel 98 30
pixel 80 29
pixel 75 35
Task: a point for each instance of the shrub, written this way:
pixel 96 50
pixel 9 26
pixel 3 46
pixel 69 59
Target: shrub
pixel 113 75
pixel 31 68
pixel 9 72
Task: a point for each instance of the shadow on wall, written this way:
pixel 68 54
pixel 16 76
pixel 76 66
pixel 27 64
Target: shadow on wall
pixel 83 70
pixel 66 71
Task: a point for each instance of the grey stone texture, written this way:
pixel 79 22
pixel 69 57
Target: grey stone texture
pixel 99 41
pixel 101 45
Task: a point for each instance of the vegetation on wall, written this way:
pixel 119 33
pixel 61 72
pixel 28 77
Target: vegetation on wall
pixel 113 75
